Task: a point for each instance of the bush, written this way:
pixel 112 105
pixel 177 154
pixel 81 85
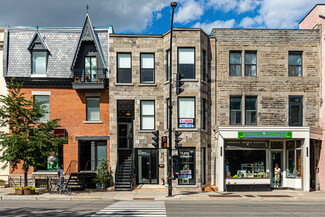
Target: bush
pixel 18 188
pixel 28 187
pixel 102 172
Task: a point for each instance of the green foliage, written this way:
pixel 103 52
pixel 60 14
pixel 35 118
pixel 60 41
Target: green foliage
pixel 28 187
pixel 18 188
pixel 102 172
pixel 29 142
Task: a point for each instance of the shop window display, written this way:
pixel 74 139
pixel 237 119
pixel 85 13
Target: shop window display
pixel 187 164
pixel 247 160
pixel 294 164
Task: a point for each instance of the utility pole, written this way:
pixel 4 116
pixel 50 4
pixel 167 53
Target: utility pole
pixel 170 148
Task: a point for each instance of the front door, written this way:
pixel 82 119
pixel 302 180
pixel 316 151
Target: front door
pixel 276 160
pixel 125 136
pixel 147 166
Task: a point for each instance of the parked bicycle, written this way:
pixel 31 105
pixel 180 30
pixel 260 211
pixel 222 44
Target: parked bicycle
pixel 62 188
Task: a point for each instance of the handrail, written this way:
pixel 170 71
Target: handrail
pixel 68 172
pixel 97 77
pixel 117 165
pixel 85 168
pixel 131 171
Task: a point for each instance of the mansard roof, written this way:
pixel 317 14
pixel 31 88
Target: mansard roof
pixel 37 43
pixel 88 34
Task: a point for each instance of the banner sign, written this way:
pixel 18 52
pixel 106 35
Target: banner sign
pixel 186 123
pixel 264 134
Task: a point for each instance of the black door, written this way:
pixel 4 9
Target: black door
pixel 147 166
pixel 312 167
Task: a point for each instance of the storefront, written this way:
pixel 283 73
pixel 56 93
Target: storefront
pixel 147 166
pixel 247 157
pixel 187 166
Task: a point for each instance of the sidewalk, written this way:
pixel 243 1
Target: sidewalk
pixel 160 193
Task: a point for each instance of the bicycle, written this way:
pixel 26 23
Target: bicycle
pixel 61 188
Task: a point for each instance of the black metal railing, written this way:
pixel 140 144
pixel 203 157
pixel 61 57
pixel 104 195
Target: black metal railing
pixel 117 166
pixel 89 76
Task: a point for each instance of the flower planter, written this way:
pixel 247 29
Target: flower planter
pixel 19 192
pixel 29 192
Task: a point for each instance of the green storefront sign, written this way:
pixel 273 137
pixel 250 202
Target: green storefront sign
pixel 264 134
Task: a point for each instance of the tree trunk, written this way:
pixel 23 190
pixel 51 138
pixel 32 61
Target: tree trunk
pixel 25 179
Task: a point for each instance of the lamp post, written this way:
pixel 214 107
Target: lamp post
pixel 170 148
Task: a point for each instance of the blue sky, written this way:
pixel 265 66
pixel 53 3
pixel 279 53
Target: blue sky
pixel 153 17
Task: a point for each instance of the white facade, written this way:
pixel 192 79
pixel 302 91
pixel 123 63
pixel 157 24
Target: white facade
pixel 301 133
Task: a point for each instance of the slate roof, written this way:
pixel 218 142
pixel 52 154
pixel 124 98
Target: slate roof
pixel 62 43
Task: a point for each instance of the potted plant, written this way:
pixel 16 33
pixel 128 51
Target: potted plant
pixel 28 190
pixel 102 173
pixel 19 190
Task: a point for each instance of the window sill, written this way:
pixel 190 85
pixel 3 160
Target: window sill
pixel 124 84
pixel 166 82
pixel 190 80
pixel 93 122
pixel 37 76
pixel 204 82
pixel 204 130
pixel 188 129
pixel 146 131
pixel 147 85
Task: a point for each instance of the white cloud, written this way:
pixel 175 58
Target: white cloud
pixel 239 6
pixel 249 22
pixel 247 5
pixel 188 11
pixel 207 27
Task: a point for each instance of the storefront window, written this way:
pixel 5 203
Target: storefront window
pixel 246 160
pixel 294 168
pixel 187 165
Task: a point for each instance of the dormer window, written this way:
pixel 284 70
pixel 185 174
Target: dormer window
pixel 39 62
pixel 90 69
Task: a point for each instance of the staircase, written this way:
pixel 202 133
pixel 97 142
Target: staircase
pixel 124 171
pixel 81 180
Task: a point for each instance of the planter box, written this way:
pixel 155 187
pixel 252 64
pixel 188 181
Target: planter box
pixel 29 192
pixel 19 192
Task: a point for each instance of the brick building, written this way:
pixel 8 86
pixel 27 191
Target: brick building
pixel 66 68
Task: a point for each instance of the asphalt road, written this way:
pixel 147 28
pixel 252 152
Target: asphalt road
pixel 174 208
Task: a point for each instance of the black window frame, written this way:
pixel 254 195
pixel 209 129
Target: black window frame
pixel 90 70
pixel 167 112
pixel 204 67
pixel 250 65
pixel 87 97
pixel 154 115
pixel 241 110
pixel 129 69
pixel 178 64
pixel 295 53
pixel 153 70
pixel 194 119
pixel 300 104
pixel 194 163
pixel 241 62
pixel 256 103
pixel 203 114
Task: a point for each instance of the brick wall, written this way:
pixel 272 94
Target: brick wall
pixel 70 106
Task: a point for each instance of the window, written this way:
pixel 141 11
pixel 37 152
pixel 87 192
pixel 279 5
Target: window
pixel 124 68
pixel 39 62
pixel 250 63
pixel 45 100
pixel 203 114
pixel 294 168
pixel 147 68
pixel 250 110
pixel 235 110
pixel 295 64
pixel 235 63
pixel 204 65
pixel 90 69
pixel 186 62
pixel 168 116
pixel 168 65
pixel 187 166
pixel 186 112
pixel 93 112
pixel 147 115
pixel 295 110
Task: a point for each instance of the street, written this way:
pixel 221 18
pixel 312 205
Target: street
pixel 173 208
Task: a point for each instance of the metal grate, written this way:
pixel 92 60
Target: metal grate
pixel 125 109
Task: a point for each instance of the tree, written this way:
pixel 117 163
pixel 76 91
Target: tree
pixel 29 141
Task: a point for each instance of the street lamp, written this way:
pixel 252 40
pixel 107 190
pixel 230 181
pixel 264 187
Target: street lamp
pixel 169 161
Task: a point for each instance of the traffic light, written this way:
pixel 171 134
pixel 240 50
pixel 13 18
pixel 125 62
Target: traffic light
pixel 164 142
pixel 179 83
pixel 155 138
pixel 177 139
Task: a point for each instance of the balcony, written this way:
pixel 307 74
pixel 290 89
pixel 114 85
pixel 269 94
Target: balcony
pixel 89 79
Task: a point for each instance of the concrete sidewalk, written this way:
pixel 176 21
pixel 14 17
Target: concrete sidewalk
pixel 160 193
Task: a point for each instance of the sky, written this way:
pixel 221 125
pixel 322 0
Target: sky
pixel 154 16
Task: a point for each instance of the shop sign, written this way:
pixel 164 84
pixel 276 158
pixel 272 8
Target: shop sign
pixel 186 123
pixel 185 174
pixel 264 134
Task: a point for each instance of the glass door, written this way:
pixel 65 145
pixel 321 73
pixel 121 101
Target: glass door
pixel 276 159
pixel 147 166
pixel 125 136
